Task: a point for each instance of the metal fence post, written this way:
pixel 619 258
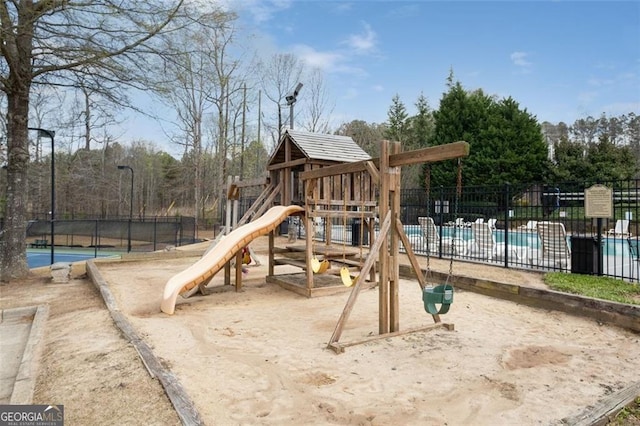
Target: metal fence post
pixel 441 218
pixel 95 246
pixel 507 205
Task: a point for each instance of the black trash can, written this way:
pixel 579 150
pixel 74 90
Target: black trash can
pixel 585 255
pixel 284 227
pixel 356 227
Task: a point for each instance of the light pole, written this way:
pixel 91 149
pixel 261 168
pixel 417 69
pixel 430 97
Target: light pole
pixel 291 99
pixel 51 135
pixel 130 209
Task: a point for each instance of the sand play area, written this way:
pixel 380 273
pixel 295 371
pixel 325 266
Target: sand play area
pixel 259 356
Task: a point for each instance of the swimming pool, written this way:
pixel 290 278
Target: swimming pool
pixel 611 246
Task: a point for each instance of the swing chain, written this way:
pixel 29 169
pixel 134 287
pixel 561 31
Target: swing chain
pixel 427 184
pixel 455 208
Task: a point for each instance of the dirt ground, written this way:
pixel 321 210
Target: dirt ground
pixel 259 356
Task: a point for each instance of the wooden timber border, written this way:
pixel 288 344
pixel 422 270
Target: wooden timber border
pixel 182 403
pixel 618 314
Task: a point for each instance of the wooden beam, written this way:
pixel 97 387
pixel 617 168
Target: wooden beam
pixel 373 172
pixel 340 203
pixel 287 164
pixel 340 347
pixel 336 214
pixel 430 155
pixel 338 169
pixel 604 411
pixel 252 182
pixel 425 155
pixel 371 259
pixel 179 397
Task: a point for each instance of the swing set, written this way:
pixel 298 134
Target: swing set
pixel 384 173
pixel 441 294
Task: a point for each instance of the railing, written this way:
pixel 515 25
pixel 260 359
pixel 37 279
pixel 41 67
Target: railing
pixel 573 243
pixel 147 234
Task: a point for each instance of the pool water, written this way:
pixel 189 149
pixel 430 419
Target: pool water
pixel 611 246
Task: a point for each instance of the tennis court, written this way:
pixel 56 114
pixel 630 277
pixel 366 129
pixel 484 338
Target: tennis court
pixel 37 258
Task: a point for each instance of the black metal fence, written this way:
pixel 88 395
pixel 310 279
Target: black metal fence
pixel 538 227
pixel 146 234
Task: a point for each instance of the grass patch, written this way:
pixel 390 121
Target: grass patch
pixel 629 415
pixel 596 287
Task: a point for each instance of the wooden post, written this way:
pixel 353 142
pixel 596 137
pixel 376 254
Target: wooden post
pixel 383 258
pixel 309 191
pixel 234 220
pixel 286 174
pixel 227 273
pixel 239 270
pixel 394 246
pixel 271 249
pixel 227 224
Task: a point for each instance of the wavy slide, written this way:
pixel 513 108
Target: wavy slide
pixel 223 252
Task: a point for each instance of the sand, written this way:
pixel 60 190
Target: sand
pixel 259 356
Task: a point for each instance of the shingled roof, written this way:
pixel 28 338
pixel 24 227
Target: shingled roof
pixel 319 146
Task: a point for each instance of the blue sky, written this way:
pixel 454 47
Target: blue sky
pixel 560 60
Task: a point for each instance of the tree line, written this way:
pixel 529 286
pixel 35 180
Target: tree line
pixel 507 145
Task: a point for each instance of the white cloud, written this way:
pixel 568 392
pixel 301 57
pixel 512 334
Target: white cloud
pixel 364 42
pixel 326 61
pixel 329 61
pixel 260 10
pixel 378 88
pixel 520 59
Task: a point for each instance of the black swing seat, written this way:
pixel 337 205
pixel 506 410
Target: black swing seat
pixel 439 295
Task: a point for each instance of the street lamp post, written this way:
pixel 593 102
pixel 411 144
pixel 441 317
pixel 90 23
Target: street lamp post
pixel 51 135
pixel 291 99
pixel 130 209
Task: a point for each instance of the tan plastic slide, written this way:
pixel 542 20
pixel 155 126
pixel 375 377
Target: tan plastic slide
pixel 223 252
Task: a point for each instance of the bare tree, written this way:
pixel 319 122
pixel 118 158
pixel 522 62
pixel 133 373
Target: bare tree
pixel 279 77
pixel 196 78
pixel 51 42
pixel 318 106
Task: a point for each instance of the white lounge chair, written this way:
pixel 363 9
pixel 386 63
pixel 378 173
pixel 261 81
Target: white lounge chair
pixel 460 222
pixel 431 237
pixel 531 225
pixel 621 229
pixel 492 223
pixel 554 248
pixel 484 243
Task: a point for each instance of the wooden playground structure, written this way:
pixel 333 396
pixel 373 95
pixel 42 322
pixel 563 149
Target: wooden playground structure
pixel 364 190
